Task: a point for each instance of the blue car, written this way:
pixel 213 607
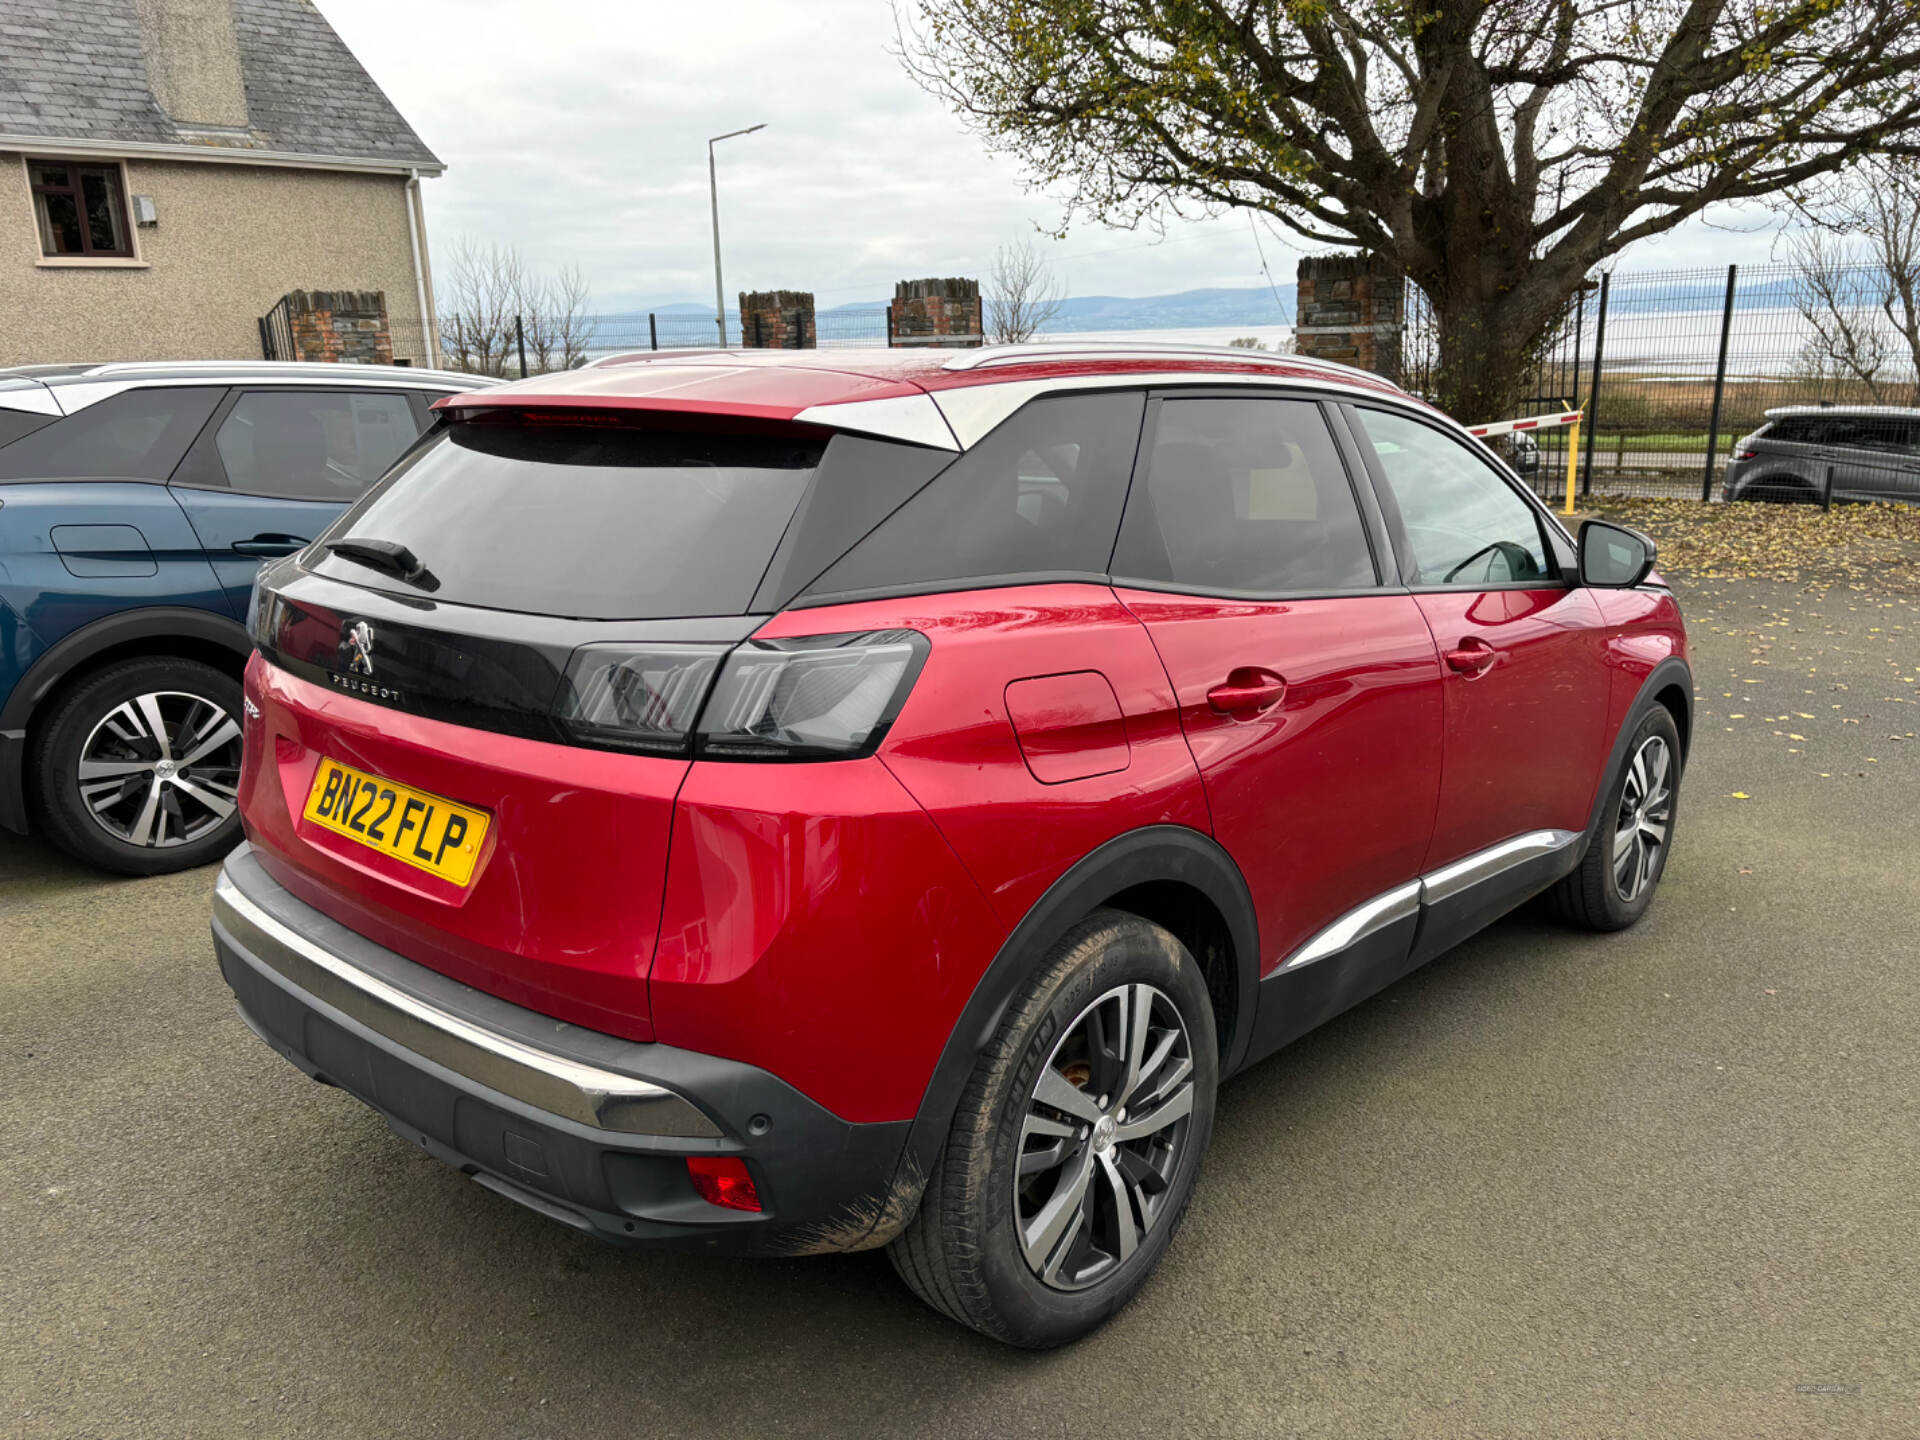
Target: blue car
pixel 136 502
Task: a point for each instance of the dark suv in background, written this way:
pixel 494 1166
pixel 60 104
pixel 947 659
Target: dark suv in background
pixel 1874 451
pixel 136 502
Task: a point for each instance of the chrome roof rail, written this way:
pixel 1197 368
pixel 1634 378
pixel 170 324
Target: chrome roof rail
pixel 299 369
pixel 987 356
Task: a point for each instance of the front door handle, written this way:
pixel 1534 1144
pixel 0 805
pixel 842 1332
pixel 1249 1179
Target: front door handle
pixel 267 546
pixel 1247 691
pixel 1473 656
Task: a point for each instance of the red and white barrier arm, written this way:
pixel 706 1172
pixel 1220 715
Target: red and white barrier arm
pixel 1532 422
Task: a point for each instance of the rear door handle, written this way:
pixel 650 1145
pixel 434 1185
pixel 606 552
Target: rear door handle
pixel 1473 656
pixel 269 545
pixel 1247 691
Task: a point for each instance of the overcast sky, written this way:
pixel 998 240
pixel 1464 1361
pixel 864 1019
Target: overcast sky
pixel 576 129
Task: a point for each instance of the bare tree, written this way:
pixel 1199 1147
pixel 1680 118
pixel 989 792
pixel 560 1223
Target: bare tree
pixel 1857 277
pixel 1495 151
pixel 1830 290
pixel 1254 342
pixel 1023 294
pixel 492 302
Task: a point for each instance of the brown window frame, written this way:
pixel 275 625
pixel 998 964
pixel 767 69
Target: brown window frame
pixel 117 196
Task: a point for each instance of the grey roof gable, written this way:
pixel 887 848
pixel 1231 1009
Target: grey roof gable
pixel 76 69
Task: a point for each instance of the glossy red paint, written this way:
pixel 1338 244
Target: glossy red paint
pixel 1642 628
pixel 561 912
pixel 817 926
pixel 954 749
pixel 1325 798
pixel 1526 730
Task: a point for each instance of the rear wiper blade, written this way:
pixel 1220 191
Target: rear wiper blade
pixel 388 555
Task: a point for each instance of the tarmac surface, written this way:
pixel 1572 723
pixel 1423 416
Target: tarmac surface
pixel 1662 1183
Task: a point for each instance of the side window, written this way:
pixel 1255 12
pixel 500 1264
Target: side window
pixel 135 435
pixel 313 444
pixel 1791 432
pixel 1461 520
pixel 1041 494
pixel 1245 495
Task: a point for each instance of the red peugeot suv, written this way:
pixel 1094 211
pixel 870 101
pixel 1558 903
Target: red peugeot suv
pixel 789 802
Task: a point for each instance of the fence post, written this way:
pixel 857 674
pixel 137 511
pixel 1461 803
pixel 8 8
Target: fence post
pixel 653 331
pixel 889 325
pixel 520 339
pixel 1826 491
pixel 1719 388
pixel 1599 355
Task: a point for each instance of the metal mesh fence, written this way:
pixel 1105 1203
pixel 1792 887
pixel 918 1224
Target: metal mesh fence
pixel 1690 362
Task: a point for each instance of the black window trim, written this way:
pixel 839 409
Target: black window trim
pixel 1553 537
pixel 201 468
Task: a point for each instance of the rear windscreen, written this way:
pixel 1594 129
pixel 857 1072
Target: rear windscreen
pixel 598 522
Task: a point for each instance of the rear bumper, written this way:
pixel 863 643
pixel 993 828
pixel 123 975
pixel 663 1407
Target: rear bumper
pixel 586 1128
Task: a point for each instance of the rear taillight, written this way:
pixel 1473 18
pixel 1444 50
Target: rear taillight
pixel 1745 454
pixel 825 697
pixel 636 697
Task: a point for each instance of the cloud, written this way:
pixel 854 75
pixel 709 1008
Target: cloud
pixel 576 130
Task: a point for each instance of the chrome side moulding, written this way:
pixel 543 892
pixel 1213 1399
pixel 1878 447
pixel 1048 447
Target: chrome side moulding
pixel 1462 874
pixel 1358 923
pixel 1430 889
pixel 553 1083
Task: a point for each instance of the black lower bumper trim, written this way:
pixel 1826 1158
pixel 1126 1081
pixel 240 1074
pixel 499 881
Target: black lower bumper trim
pixel 826 1183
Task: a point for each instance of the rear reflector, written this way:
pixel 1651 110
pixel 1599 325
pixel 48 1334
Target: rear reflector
pixel 723 1180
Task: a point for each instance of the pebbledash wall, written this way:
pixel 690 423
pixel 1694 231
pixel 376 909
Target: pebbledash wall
pixel 230 240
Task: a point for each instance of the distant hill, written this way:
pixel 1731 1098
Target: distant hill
pixel 1186 310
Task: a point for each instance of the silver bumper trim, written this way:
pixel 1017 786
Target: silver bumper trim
pixel 587 1094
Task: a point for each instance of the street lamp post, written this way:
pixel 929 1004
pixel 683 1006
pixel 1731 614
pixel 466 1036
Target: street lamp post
pixel 713 192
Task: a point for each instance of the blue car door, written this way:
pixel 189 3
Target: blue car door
pixel 279 462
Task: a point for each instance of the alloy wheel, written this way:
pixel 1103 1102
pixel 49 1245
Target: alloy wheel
pixel 1103 1136
pixel 1646 810
pixel 162 769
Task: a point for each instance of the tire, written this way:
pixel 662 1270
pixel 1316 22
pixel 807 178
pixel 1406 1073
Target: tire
pixel 964 1252
pixel 1611 891
pixel 188 816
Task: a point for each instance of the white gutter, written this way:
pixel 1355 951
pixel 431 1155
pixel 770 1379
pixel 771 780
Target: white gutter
pixel 427 337
pixel 74 145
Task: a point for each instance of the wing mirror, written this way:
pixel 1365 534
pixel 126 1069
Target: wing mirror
pixel 1613 557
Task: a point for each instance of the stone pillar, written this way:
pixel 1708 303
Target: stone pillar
pixel 943 314
pixel 1351 308
pixel 340 326
pixel 777 320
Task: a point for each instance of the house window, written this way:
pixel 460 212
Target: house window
pixel 82 210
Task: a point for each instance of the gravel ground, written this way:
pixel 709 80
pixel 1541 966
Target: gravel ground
pixel 1661 1183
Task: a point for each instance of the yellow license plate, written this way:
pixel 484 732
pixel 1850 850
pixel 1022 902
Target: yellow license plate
pixel 427 832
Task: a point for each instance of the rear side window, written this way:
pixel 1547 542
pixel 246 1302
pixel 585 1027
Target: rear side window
pixel 313 444
pixel 595 522
pixel 1041 495
pixel 135 435
pixel 16 423
pixel 1793 432
pixel 1245 495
